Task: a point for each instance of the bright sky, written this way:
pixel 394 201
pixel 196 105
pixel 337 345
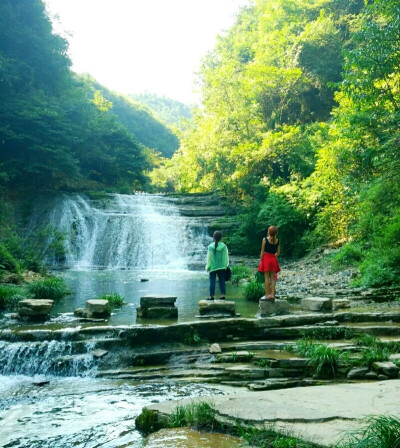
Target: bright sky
pixel 132 46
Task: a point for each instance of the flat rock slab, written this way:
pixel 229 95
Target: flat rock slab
pixel 318 414
pixel 278 307
pixel 158 312
pixel 340 304
pixel 316 304
pixel 212 307
pixel 159 300
pixel 34 308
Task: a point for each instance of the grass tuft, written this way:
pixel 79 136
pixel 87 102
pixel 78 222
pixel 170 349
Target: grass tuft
pixel 200 416
pixel 254 291
pixel 239 273
pixel 48 288
pixel 114 299
pixel 380 432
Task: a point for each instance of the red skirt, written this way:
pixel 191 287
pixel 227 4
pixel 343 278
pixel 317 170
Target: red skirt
pixel 269 263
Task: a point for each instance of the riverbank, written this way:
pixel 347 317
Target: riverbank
pixel 321 415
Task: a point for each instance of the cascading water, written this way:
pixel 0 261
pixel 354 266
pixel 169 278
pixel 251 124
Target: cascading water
pixel 128 232
pixel 46 358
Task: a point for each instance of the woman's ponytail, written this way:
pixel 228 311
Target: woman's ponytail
pixel 217 238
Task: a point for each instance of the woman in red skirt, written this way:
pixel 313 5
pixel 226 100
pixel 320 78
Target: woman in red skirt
pixel 270 250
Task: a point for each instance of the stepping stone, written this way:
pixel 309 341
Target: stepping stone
pixel 157 307
pixel 31 308
pixel 98 308
pixel 222 308
pixel 215 348
pixel 358 373
pixel 316 304
pixel 267 307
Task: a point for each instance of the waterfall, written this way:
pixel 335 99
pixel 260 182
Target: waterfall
pixel 128 232
pixel 46 358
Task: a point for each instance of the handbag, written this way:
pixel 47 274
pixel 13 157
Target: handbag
pixel 228 274
pixel 259 277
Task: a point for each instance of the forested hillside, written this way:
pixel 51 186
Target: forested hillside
pixel 141 122
pixel 299 126
pixel 56 130
pixel 169 110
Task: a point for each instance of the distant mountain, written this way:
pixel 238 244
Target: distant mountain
pixel 167 109
pixel 141 121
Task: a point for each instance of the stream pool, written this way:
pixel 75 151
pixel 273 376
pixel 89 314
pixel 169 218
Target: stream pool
pixel 89 413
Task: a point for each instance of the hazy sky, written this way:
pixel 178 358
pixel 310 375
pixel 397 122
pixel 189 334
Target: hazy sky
pixel 131 46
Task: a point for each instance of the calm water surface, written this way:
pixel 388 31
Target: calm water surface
pixel 188 286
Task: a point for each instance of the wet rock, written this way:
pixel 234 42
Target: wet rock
pixel 215 348
pixel 41 383
pixel 278 307
pixel 340 304
pixel 319 304
pixel 386 368
pixel 382 377
pixel 246 372
pixel 219 307
pixel 32 308
pixel 98 308
pixel 328 323
pixel 358 373
pixel 371 375
pixel 157 307
pixel 98 354
pixel 395 357
pixel 240 356
pixel 156 301
pixel 144 280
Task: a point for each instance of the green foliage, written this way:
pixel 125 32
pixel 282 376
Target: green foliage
pixel 50 288
pixel 10 295
pixel 114 299
pixel 380 432
pixel 239 273
pixel 168 110
pixel 333 333
pixel 254 291
pixel 55 130
pixel 7 261
pixel 147 421
pixel 349 255
pixel 192 338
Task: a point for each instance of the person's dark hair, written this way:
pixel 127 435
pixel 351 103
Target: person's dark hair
pixel 217 238
pixel 273 232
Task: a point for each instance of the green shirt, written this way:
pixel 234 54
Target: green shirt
pixel 217 259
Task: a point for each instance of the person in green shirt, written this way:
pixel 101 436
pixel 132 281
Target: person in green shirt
pixel 217 262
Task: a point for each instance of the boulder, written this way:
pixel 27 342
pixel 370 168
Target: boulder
pixel 217 307
pixel 215 348
pixel 387 368
pixel 32 308
pixel 320 304
pixel 339 304
pixel 246 372
pixel 358 373
pixel 98 308
pixel 267 307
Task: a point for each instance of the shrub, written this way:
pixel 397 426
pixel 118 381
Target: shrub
pixel 7 261
pixel 10 295
pixel 240 272
pixel 381 432
pixel 349 255
pixel 50 288
pixel 113 299
pixel 254 291
pixel 373 354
